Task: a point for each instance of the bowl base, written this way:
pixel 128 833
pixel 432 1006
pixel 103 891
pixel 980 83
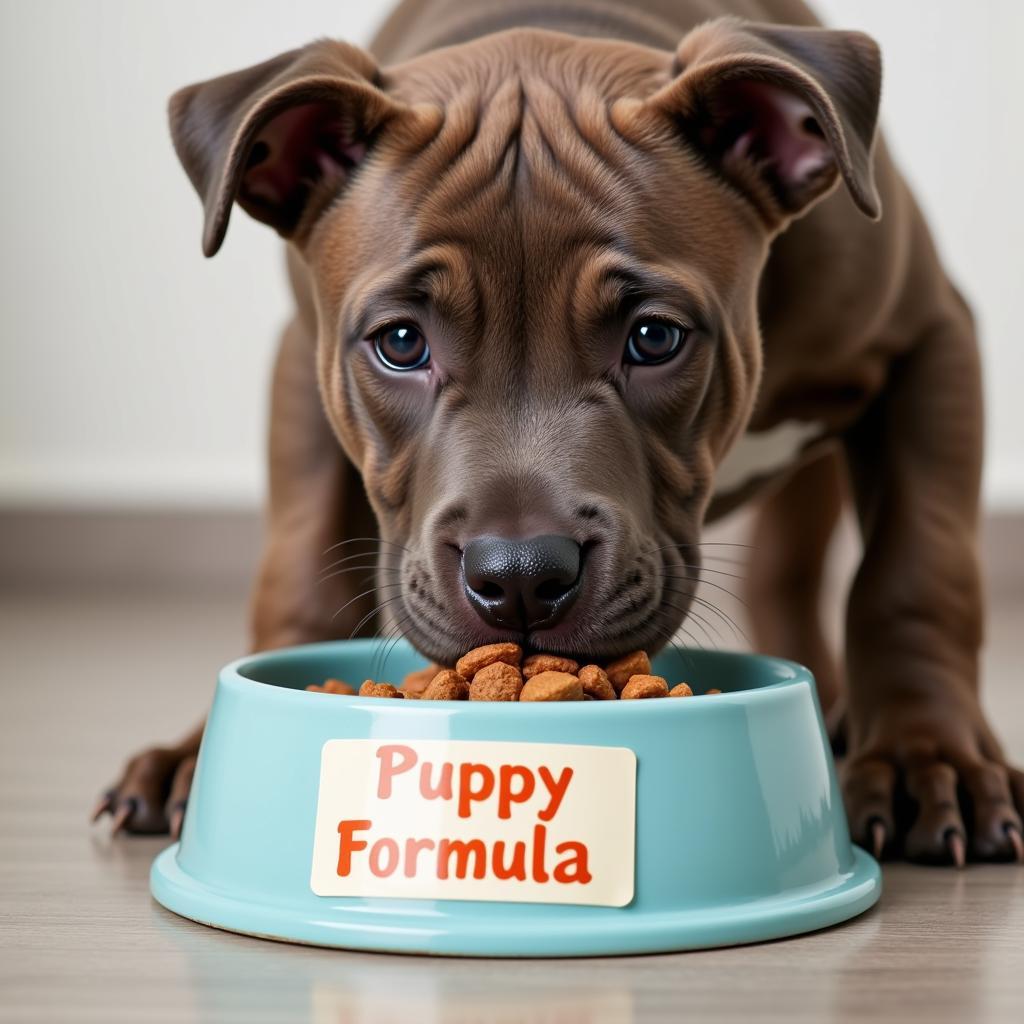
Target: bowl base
pixel 592 932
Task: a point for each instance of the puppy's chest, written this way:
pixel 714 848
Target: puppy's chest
pixel 807 401
pixel 759 457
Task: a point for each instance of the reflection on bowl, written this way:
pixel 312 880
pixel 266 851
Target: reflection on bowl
pixel 515 829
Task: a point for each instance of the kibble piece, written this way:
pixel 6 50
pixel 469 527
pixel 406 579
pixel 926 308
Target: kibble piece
pixel 332 686
pixel 537 663
pixel 596 684
pixel 372 689
pixel 713 690
pixel 622 670
pixel 496 681
pixel 552 686
pixel 446 685
pixel 338 686
pixel 416 682
pixel 480 657
pixel 681 690
pixel 642 685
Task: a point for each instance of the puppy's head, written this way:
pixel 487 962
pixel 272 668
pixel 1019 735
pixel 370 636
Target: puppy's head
pixel 535 261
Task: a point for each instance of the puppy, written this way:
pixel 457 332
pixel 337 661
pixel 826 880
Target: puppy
pixel 572 280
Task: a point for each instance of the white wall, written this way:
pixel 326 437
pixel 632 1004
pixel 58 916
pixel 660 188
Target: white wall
pixel 134 371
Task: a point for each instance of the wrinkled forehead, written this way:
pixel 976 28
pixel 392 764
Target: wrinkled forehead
pixel 526 187
pixel 574 66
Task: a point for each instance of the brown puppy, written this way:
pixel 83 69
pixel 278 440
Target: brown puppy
pixel 572 278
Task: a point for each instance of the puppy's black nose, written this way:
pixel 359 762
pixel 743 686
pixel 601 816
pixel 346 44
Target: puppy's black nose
pixel 521 584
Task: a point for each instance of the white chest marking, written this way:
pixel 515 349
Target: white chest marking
pixel 764 454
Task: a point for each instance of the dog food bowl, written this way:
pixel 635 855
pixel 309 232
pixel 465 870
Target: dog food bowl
pixel 477 829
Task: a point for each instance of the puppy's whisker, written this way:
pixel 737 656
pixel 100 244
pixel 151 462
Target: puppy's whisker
pixel 705 556
pixel 718 544
pixel 377 646
pixel 668 631
pixel 384 652
pixel 353 568
pixel 356 540
pixel 689 613
pixel 399 637
pixel 736 629
pixel 725 560
pixel 365 593
pixel 373 573
pixel 717 572
pixel 694 642
pixel 702 544
pixel 666 635
pixel 375 673
pixel 349 558
pixel 379 642
pixel 370 614
pixel 391 629
pixel 713 631
pixel 706 583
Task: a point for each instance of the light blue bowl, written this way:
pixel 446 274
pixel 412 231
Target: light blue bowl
pixel 740 834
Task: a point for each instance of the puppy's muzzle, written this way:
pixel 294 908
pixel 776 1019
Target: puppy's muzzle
pixel 522 585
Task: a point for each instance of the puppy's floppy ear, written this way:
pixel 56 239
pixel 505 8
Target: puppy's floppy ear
pixel 780 111
pixel 274 135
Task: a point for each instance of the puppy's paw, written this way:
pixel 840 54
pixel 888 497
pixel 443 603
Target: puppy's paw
pixel 150 797
pixel 932 788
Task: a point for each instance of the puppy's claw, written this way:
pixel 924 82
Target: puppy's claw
pixel 103 806
pixel 124 811
pixel 957 847
pixel 877 838
pixel 177 817
pixel 1013 834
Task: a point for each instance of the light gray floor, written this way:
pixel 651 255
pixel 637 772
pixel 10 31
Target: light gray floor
pixel 86 679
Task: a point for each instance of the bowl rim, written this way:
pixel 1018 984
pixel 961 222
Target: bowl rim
pixel 790 674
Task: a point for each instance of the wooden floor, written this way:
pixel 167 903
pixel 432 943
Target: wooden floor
pixel 86 679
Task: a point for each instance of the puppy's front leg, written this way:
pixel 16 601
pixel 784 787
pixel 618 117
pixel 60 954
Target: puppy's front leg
pixel 924 773
pixel 316 500
pixel 321 547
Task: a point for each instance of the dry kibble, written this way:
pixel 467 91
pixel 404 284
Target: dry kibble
pixel 332 686
pixel 496 681
pixel 623 669
pixel 446 685
pixel 480 657
pixel 493 673
pixel 338 686
pixel 416 682
pixel 372 689
pixel 596 683
pixel 552 686
pixel 642 686
pixel 537 663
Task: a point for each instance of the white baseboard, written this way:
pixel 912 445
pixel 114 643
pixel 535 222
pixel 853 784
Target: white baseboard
pixel 169 549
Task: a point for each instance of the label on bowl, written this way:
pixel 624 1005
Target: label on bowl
pixel 476 820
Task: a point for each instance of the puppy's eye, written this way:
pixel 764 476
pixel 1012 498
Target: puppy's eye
pixel 402 347
pixel 654 341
